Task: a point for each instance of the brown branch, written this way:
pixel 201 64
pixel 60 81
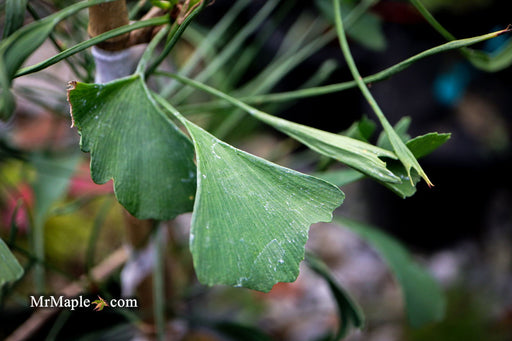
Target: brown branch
pixel 144 35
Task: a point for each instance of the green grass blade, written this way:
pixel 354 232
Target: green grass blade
pixel 332 88
pixel 150 49
pixel 424 300
pixel 207 46
pixel 350 314
pixel 22 43
pixel 230 49
pixel 53 176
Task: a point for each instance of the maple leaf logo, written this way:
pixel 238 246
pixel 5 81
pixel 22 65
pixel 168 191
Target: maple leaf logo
pixel 100 304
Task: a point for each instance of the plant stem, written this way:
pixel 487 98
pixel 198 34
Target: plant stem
pixel 432 21
pixel 105 17
pixel 159 296
pixel 401 150
pixel 176 32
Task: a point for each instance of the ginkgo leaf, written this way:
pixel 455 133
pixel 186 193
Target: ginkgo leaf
pixel 251 217
pixel 134 143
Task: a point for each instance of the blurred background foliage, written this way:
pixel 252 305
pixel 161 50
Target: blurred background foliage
pixel 460 230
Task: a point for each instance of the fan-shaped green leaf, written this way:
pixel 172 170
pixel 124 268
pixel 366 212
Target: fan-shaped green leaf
pixel 251 217
pixel 132 142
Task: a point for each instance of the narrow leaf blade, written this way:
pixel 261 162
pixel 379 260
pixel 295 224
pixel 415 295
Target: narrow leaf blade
pixel 419 146
pixel 14 15
pixel 351 315
pixel 423 145
pixel 424 299
pixel 359 155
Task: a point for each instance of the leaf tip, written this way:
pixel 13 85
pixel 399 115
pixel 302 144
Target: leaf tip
pixel 424 176
pixel 427 180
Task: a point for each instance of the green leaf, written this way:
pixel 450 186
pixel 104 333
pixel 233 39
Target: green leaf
pixel 53 175
pixel 351 315
pixel 406 188
pixel 7 102
pixel 10 268
pixel 361 130
pixel 423 145
pixel 251 217
pixel 368 32
pixel 491 62
pixel 359 155
pixel 401 128
pixel 14 15
pixel 134 143
pixel 419 146
pixel 424 299
pixel 15 49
